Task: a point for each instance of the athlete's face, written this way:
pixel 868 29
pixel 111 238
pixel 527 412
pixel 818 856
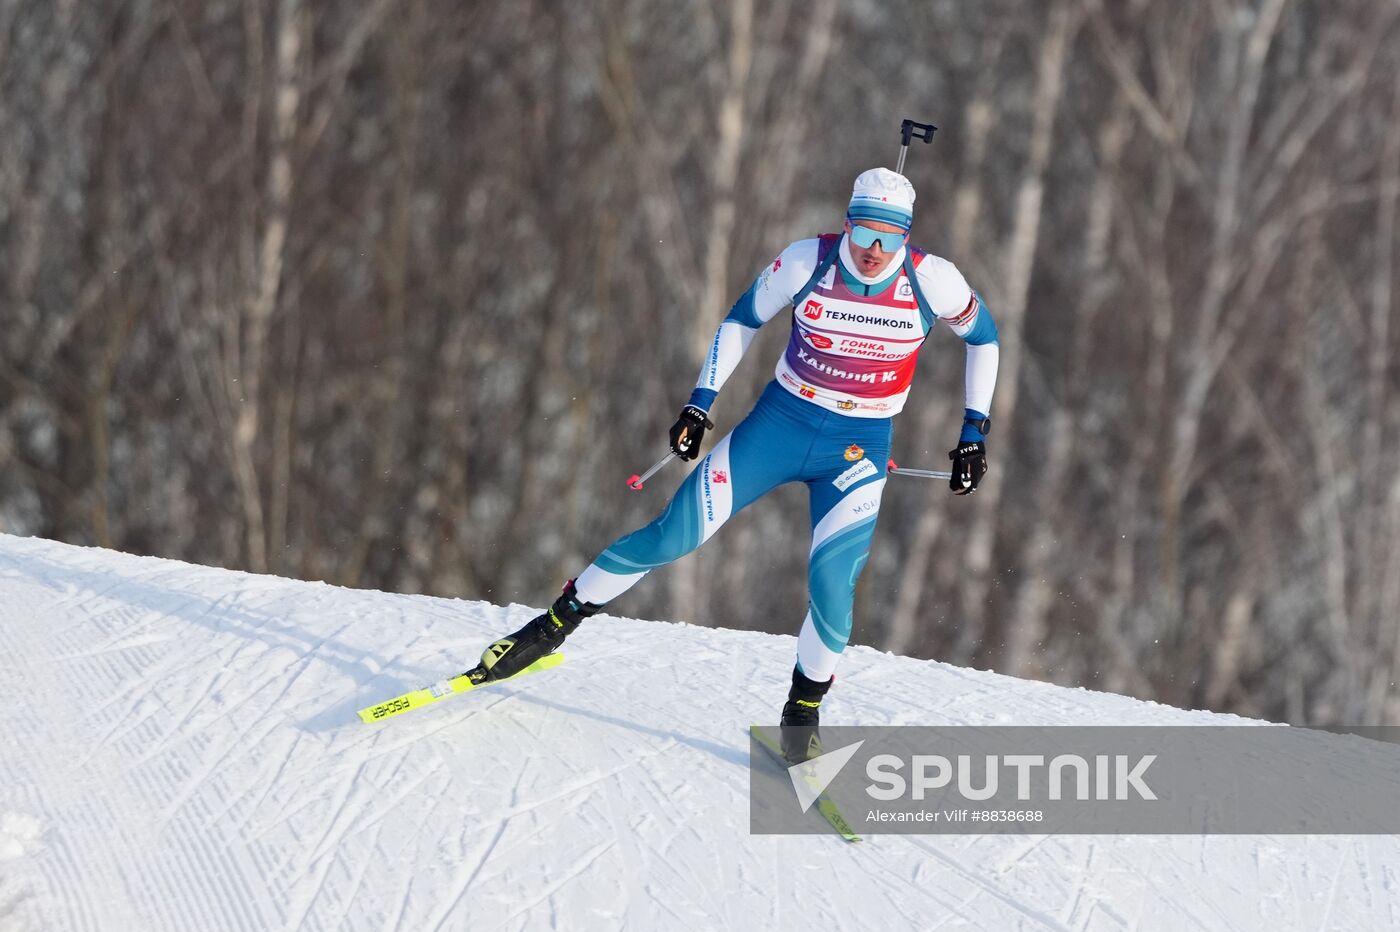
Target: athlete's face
pixel 871 260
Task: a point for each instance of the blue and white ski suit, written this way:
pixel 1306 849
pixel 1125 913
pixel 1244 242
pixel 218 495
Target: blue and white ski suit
pixel 825 420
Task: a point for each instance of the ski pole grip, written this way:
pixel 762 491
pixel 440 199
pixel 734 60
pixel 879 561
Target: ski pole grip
pixel 910 128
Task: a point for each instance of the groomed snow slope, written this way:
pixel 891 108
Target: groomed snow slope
pixel 181 752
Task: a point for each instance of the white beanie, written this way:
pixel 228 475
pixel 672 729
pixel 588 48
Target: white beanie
pixel 883 195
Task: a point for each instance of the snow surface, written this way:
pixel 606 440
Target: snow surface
pixel 179 751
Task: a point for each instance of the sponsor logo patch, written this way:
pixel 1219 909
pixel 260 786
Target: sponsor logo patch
pixel 812 310
pixel 868 318
pixel 817 340
pixel 721 477
pixel 850 477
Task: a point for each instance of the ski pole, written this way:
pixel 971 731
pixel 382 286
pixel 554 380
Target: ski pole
pixel 907 131
pixel 896 470
pixel 635 483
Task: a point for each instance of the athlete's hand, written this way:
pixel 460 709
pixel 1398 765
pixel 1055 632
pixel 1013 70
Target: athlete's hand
pixel 969 466
pixel 688 431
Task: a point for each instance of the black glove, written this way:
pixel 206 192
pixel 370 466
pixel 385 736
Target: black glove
pixel 969 466
pixel 688 431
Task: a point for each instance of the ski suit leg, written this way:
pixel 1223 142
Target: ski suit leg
pixel 758 455
pixel 845 499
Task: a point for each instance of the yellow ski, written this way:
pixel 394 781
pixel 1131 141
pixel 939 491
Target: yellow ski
pixel 825 806
pixel 442 689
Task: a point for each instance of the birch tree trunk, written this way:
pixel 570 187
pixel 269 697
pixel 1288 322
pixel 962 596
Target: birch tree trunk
pixel 250 363
pixel 1009 307
pixel 689 599
pixel 1026 627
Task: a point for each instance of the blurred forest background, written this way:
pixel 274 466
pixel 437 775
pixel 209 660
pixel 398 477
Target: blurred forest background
pixel 397 293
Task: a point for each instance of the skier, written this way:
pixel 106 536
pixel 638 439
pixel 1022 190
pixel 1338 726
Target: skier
pixel 863 302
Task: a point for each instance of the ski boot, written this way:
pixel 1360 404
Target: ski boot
pixel 801 740
pixel 540 636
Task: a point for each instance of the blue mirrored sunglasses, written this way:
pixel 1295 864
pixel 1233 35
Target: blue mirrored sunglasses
pixel 864 237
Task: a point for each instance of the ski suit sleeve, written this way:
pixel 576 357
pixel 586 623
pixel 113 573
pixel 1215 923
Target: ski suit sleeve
pixel 770 293
pixel 962 309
